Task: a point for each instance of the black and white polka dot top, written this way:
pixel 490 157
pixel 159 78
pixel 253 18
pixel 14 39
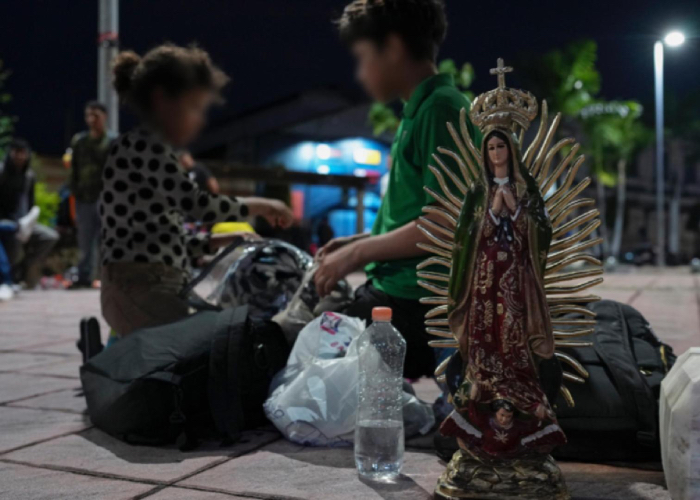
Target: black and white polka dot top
pixel 145 198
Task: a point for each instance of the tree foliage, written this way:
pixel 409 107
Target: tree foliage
pixel 613 132
pixel 567 78
pixel 48 203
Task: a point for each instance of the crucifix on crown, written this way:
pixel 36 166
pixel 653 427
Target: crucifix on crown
pixel 501 71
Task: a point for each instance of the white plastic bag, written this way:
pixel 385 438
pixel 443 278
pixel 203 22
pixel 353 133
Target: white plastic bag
pixel 313 401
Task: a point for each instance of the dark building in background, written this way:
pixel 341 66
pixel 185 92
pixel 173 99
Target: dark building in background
pixel 320 132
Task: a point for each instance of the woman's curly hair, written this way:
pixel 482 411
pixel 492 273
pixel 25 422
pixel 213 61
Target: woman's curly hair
pixel 173 68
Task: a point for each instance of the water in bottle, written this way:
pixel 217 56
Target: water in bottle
pixel 379 435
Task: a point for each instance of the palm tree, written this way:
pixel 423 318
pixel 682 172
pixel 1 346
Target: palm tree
pixel 567 78
pixel 614 134
pixel 685 129
pixel 597 128
pixel 629 136
pixel 569 81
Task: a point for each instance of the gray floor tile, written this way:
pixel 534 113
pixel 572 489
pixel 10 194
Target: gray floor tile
pixel 69 368
pixel 19 482
pixel 288 470
pixel 189 494
pixel 21 426
pixel 68 400
pixel 14 386
pixel 95 451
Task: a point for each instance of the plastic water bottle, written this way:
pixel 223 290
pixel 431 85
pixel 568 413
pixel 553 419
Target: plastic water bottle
pixel 379 436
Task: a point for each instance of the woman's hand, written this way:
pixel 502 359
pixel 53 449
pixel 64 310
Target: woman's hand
pixel 508 198
pixel 274 211
pixel 497 204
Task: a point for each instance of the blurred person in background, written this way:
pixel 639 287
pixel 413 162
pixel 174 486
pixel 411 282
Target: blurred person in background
pixel 26 242
pixel 147 194
pixel 199 173
pixel 89 154
pixel 395 44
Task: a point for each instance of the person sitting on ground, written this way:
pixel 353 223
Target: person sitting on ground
pixel 199 173
pixel 28 246
pixel 7 291
pixel 146 195
pixel 395 43
pixel 22 230
pixel 89 154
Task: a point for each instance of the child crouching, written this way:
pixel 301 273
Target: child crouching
pixel 147 194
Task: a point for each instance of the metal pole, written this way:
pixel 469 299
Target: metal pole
pixel 360 226
pixel 660 215
pixel 107 48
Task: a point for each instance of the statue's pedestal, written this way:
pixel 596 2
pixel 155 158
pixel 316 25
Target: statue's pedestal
pixel 525 479
pixel 679 425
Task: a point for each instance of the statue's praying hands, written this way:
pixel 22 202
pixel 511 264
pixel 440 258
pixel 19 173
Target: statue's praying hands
pixel 503 197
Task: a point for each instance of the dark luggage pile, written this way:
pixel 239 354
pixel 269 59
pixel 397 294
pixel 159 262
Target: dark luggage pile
pixel 615 416
pixel 616 411
pixel 205 377
pixel 264 275
pixel 208 375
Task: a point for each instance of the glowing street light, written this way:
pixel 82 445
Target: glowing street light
pixel 672 39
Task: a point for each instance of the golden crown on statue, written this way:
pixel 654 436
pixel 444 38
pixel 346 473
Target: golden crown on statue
pixel 503 107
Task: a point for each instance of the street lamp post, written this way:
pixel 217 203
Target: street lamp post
pixel 673 39
pixel 108 46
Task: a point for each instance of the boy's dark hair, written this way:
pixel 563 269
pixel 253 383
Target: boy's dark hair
pixel 421 24
pixel 175 69
pixel 18 143
pixel 96 105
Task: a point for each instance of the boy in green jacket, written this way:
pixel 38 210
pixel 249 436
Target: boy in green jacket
pixel 395 44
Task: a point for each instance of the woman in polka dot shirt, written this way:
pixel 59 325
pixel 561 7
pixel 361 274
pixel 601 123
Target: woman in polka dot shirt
pixel 147 194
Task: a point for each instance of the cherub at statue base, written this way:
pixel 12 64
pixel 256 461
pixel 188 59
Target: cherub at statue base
pixel 536 478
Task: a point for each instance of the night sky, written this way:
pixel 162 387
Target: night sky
pixel 273 48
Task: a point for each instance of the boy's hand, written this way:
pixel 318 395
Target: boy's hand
pixel 274 211
pixel 337 243
pixel 334 266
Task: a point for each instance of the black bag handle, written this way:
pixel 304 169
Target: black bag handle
pixel 208 268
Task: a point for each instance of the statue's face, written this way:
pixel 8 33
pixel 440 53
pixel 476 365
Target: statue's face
pixel 503 416
pixel 498 152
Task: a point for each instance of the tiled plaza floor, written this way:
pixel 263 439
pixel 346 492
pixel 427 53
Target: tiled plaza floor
pixel 49 450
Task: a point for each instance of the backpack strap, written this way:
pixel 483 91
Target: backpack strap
pixel 614 348
pixel 223 390
pixel 208 268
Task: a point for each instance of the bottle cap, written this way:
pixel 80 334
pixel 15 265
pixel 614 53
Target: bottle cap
pixel 381 314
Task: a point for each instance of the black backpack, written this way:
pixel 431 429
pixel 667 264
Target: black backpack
pixel 205 376
pixel 615 416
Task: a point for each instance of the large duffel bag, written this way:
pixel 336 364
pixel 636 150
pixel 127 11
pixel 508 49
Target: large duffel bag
pixel 615 416
pixel 202 377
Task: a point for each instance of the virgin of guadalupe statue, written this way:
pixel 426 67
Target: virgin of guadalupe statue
pixel 511 230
